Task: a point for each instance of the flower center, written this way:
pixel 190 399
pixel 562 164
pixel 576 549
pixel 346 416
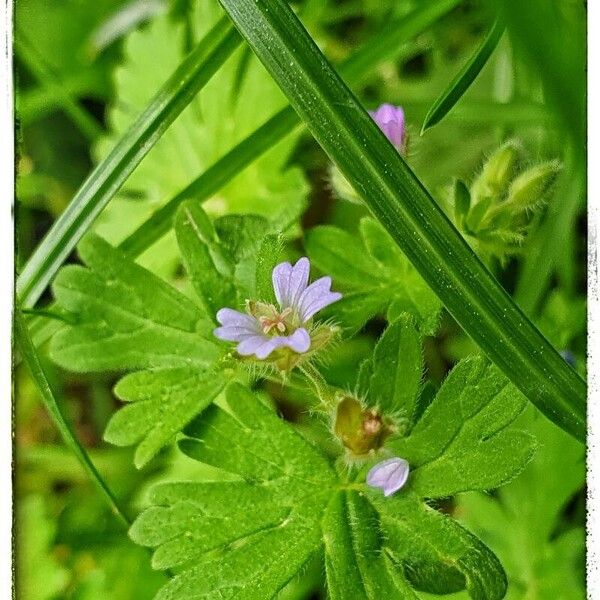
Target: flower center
pixel 275 322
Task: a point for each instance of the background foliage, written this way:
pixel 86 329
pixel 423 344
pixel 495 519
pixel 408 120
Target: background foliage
pixel 84 71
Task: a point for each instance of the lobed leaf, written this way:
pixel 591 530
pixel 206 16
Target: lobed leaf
pixel 377 273
pixel 283 505
pixel 163 402
pixel 461 442
pixel 126 317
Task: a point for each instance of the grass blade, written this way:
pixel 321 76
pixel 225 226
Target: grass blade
pixel 464 78
pixel 407 210
pixel 30 356
pixel 49 81
pixel 193 73
pixel 385 45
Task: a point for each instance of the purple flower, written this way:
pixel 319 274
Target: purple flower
pixel 390 120
pixel 389 475
pixel 264 327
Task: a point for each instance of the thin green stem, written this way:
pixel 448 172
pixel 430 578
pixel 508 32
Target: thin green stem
pixel 37 372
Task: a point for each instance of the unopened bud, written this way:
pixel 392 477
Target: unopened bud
pixel 496 173
pixel 531 187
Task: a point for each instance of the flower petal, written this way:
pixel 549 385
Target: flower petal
pixel 299 341
pixel 289 282
pixel 231 333
pixel 234 318
pixel 281 281
pixel 298 281
pixel 391 121
pixel 389 475
pixel 315 297
pixel 251 344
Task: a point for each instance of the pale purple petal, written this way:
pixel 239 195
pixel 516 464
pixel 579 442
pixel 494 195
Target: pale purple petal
pixel 298 281
pixel 390 120
pixel 231 333
pixel 389 475
pixel 251 344
pixel 281 281
pixel 299 341
pixel 289 282
pixel 234 318
pixel 315 297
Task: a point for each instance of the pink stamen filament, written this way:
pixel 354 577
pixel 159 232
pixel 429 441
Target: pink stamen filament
pixel 276 322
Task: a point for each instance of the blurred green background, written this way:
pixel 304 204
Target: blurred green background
pixel 83 71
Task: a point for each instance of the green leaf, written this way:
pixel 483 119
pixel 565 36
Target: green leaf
pixel 461 441
pixel 185 82
pixel 405 208
pixel 233 104
pixel 279 504
pixel 464 78
pixel 386 45
pixel 520 522
pixel 163 401
pixel 377 273
pixel 208 264
pixel 439 555
pixel 127 318
pixel 397 370
pixel 355 565
pixel 217 533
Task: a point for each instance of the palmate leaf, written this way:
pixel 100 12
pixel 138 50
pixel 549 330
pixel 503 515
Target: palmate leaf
pixel 238 99
pixel 520 521
pixel 378 276
pixel 124 318
pixel 248 538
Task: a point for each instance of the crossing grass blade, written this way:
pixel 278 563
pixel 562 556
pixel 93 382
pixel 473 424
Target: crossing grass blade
pixel 409 213
pixel 32 360
pixel 464 78
pixel 102 184
pixel 384 46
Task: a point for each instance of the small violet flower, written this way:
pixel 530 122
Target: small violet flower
pixel 265 328
pixel 390 120
pixel 389 475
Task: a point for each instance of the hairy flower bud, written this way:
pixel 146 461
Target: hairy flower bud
pixel 530 188
pixel 496 173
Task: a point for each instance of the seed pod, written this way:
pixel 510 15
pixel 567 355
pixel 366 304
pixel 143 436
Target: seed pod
pixel 360 430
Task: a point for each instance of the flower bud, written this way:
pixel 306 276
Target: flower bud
pixel 496 173
pixel 530 188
